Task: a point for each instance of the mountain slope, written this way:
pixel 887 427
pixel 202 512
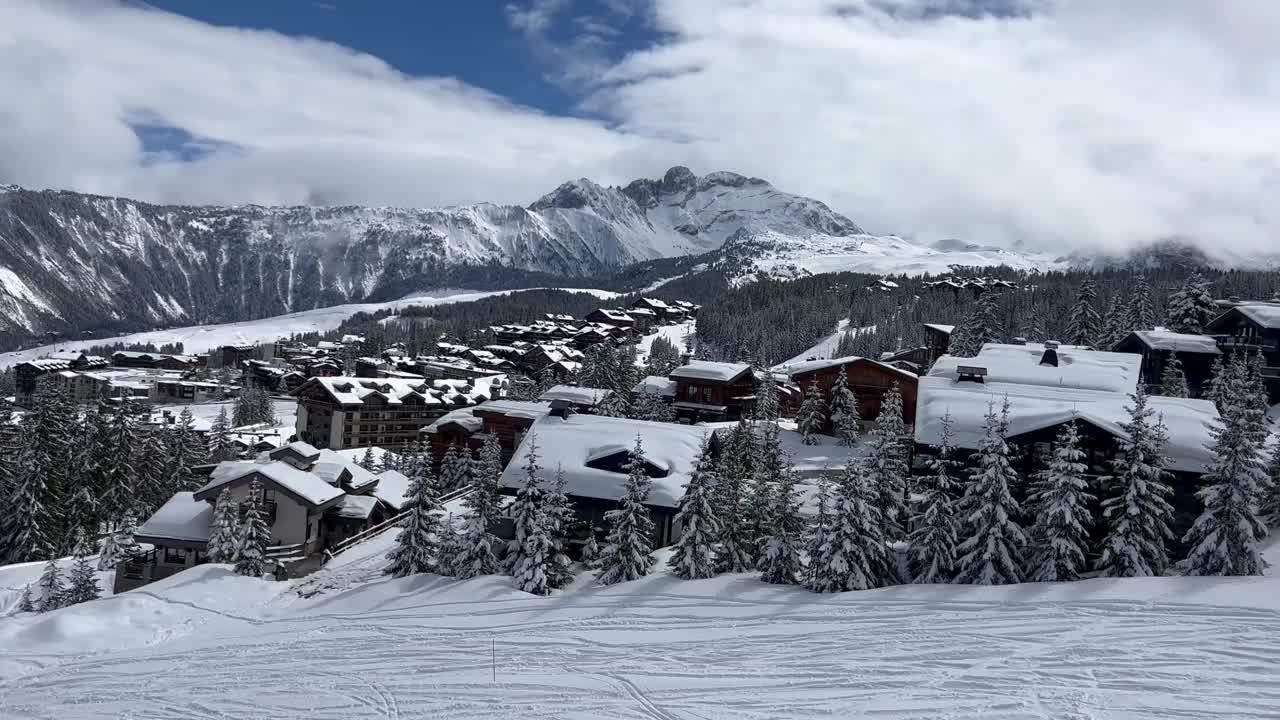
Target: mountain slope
pixel 71 262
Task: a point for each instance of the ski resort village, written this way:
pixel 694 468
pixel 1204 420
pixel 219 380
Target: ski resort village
pixel 627 512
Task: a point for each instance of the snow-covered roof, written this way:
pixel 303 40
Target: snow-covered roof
pixel 466 417
pixel 354 390
pixel 181 518
pixel 615 315
pixel 1265 314
pixel 1035 407
pixel 392 488
pixel 311 488
pixel 302 449
pixel 576 395
pixel 656 384
pixel 356 506
pixel 707 370
pixel 1177 342
pixel 462 416
pixel 656 303
pixel 809 366
pixel 1076 368
pixel 569 443
pixel 946 329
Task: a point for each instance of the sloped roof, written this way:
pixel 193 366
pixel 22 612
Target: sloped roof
pixel 707 370
pixel 946 329
pixel 1035 407
pixel 354 390
pixel 1177 342
pixel 569 443
pixel 392 488
pixel 1076 368
pixel 1265 314
pixel 809 366
pixel 576 395
pixel 181 518
pixel 656 384
pixel 355 506
pixel 306 486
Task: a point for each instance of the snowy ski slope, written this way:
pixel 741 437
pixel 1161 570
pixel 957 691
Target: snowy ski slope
pixel 207 644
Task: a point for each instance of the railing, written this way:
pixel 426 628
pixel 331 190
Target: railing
pixel 285 552
pixel 386 525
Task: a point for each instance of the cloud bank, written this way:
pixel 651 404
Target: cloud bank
pixel 1055 123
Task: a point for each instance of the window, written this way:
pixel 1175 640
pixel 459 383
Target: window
pixel 175 556
pixel 693 393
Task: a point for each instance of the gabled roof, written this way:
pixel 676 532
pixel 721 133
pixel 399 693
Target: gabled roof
pixel 1177 342
pixel 944 329
pixel 808 366
pixel 356 391
pixel 615 315
pixel 303 485
pixel 1265 315
pixel 392 488
pixel 656 384
pixel 724 372
pixel 356 507
pixel 576 395
pixel 570 443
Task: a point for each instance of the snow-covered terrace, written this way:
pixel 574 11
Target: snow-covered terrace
pixel 1021 365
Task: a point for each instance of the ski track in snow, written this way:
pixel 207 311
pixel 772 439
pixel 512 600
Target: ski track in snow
pixel 662 649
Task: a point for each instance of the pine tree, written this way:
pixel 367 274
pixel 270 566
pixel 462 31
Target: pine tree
pixel 33 519
pixel 83 582
pixel 843 410
pixel 530 550
pixel 220 438
pixel 418 544
pixel 1136 504
pixel 455 469
pixel 52 593
pixel 1116 324
pixel 251 545
pixel 126 546
pixel 887 463
pixel 1059 538
pixel 811 419
pixel 853 556
pixel 1224 539
pixel 1173 382
pixel 221 547
pixel 1191 307
pixel 482 509
pixel 117 493
pixel 935 527
pixel 735 550
pixel 780 564
pixel 152 487
pixel 186 450
pixel 80 514
pixel 991 552
pixel 8 487
pixel 451 549
pixel 816 535
pixel 591 551
pixel 25 603
pixel 1271 500
pixel 560 520
pixel 108 553
pixel 767 408
pixel 1084 326
pixel 628 553
pixel 1142 311
pixel 694 556
pixel 369 462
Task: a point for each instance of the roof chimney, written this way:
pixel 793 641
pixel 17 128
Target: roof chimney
pixel 1050 356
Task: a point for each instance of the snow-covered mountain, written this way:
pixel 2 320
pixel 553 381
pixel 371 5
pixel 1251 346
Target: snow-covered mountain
pixel 71 261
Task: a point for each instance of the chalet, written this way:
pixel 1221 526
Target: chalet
pixel 312 499
pixel 466 427
pixel 580 399
pixel 234 355
pixel 938 340
pixel 188 391
pixel 1048 386
pixel 689 309
pixel 156 361
pixel 324 367
pixel 644 319
pixel 618 318
pixel 664 388
pixel 540 356
pixel 262 374
pixel 26 374
pixel 868 379
pixel 345 412
pixel 709 391
pixel 1252 327
pixel 1196 353
pixel 593 452
pixel 444 367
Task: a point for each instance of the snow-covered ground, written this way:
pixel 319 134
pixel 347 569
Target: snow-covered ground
pixel 285 410
pixel 200 338
pixel 208 644
pixel 678 334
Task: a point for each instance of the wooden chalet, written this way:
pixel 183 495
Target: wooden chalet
pixel 868 379
pixel 1252 327
pixel 466 428
pixel 713 391
pixel 1196 353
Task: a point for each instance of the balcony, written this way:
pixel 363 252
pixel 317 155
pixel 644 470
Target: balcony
pixel 1243 343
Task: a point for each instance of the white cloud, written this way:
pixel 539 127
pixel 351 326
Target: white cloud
pixel 1061 123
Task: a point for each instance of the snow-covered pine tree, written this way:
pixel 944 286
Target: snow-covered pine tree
pixel 811 419
pixel 1059 537
pixel 34 526
pixel 251 544
pixel 734 550
pixel 220 438
pixel 591 550
pixel 935 526
pixel 780 563
pixel 455 469
pixel 25 603
pixel 108 553
pixel 1115 324
pixel 853 556
pixel 369 462
pixel 186 450
pixel 1173 382
pixel 80 513
pixel 991 551
pixel 767 407
pixel 1191 307
pixel 650 406
pixel 768 465
pixel 52 592
pixel 1224 539
pixel 561 521
pixel 530 551
pixel 126 546
pixel 1135 506
pixel 152 485
pixel 451 548
pixel 225 526
pixel 817 533
pixel 1271 500
pixel 117 492
pixel 1084 325
pixel 478 556
pixel 1142 310
pixel 886 463
pixel 628 553
pixel 83 584
pixel 694 556
pixel 417 546
pixel 843 410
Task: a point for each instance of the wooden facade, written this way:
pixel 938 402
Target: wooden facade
pixel 1249 330
pixel 1196 366
pixel 869 380
pixel 699 399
